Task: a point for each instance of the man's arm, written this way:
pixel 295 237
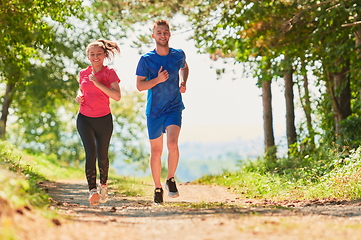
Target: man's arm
pixel 143 84
pixel 183 74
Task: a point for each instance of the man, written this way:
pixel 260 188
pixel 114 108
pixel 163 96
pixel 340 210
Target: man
pixel 164 73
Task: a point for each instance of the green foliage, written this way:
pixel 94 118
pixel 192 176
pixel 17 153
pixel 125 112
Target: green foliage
pixel 18 180
pixel 351 129
pixel 325 173
pixel 39 95
pixel 343 181
pixel 125 186
pixel 56 134
pixel 267 32
pixel 20 176
pixel 130 137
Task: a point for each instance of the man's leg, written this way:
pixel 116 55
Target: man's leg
pixel 156 148
pixel 173 150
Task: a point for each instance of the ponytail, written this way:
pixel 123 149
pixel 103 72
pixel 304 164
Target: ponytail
pixel 110 48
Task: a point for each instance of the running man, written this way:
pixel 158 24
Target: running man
pixel 164 73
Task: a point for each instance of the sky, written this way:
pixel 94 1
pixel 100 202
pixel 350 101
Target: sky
pixel 215 110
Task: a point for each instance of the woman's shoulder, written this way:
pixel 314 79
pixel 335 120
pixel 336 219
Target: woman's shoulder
pixel 85 70
pixel 108 69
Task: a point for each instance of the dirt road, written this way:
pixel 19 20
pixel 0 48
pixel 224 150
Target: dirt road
pixel 200 213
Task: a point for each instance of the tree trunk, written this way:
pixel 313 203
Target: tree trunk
pixel 269 139
pixel 8 97
pixel 358 44
pixel 339 88
pixel 344 99
pixel 306 105
pixel 290 108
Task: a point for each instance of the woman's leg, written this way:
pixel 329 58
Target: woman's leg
pixel 103 133
pixel 87 135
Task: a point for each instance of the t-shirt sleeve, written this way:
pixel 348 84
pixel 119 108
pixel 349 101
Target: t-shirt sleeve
pixel 141 68
pixel 81 73
pixel 112 76
pixel 184 60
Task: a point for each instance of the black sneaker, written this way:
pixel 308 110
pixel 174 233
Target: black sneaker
pixel 158 196
pixel 172 188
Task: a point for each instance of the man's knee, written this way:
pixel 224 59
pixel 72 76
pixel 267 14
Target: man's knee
pixel 156 152
pixel 172 146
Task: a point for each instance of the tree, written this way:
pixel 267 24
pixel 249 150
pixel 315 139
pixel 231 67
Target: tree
pixel 27 39
pixel 293 36
pixel 249 31
pixel 290 108
pixel 279 40
pixel 269 139
pixel 39 69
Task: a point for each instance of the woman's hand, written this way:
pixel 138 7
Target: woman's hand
pixel 94 79
pixel 79 99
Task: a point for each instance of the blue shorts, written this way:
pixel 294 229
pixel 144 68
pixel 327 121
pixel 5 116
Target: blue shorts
pixel 157 126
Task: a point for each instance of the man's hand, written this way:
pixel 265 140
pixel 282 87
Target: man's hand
pixel 183 87
pixel 162 75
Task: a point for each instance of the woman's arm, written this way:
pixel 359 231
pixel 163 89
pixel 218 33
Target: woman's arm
pixel 79 97
pixel 114 90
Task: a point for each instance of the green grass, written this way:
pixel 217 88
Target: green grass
pixel 338 176
pixel 127 186
pixel 20 174
pixel 334 175
pixel 327 174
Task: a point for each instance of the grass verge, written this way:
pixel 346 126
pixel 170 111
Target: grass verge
pixel 20 174
pixel 337 177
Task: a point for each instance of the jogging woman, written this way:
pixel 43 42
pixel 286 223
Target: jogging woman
pixel 98 83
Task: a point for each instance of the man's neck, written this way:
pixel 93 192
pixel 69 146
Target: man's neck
pixel 162 50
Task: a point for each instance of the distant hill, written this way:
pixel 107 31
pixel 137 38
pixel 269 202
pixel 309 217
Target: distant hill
pixel 239 148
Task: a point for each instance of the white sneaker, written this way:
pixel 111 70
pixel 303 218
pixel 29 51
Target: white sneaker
pixel 94 197
pixel 103 190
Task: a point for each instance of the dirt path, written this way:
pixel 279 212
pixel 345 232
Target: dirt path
pixel 223 215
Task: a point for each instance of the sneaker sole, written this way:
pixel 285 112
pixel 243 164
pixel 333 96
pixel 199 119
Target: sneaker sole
pixel 103 200
pixel 94 199
pixel 171 194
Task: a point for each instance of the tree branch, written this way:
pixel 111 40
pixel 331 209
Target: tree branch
pixel 351 24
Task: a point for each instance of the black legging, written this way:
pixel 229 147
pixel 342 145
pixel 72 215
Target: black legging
pixel 95 134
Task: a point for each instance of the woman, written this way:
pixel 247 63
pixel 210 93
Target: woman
pixel 97 84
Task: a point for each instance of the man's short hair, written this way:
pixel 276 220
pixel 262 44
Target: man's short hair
pixel 160 23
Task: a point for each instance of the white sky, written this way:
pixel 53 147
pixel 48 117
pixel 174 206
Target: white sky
pixel 216 110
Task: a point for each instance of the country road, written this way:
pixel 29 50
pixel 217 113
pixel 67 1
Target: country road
pixel 200 213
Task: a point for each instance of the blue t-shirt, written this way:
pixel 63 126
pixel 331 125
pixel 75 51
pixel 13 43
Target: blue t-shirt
pixel 164 97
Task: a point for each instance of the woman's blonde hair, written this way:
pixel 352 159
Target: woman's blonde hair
pixel 110 48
